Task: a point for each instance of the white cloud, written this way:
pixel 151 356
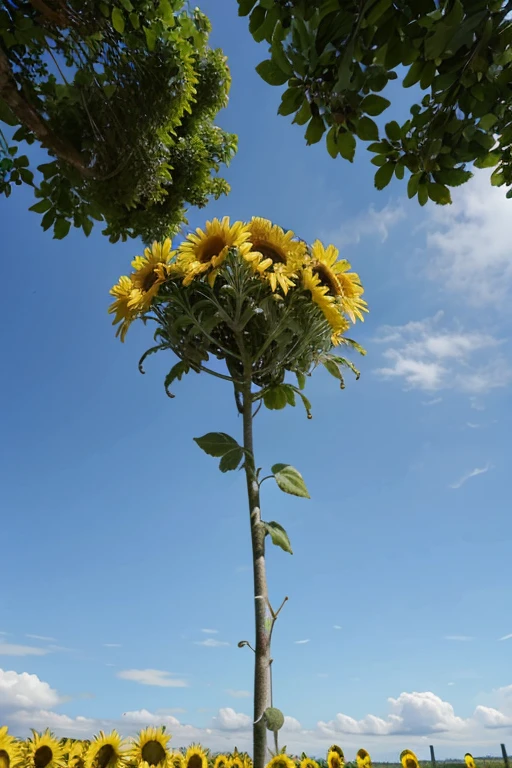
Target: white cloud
pixel 372 223
pixel 469 242
pixel 426 356
pixel 210 642
pixel 112 645
pixel 471 425
pixel 238 694
pixel 506 637
pixel 210 631
pixel 8 649
pixel 459 638
pixel 229 720
pixel 25 691
pixel 433 401
pixel 451 683
pixel 40 719
pixel 492 718
pixel 42 638
pixel 337 626
pixel 301 642
pixel 144 717
pixel 156 677
pixel 473 473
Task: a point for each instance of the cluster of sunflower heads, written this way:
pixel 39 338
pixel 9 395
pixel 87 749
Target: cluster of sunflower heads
pixel 251 294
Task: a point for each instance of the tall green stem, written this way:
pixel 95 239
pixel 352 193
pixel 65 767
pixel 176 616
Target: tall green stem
pixel 262 646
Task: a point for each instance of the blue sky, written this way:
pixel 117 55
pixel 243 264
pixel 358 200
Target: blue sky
pixel 122 543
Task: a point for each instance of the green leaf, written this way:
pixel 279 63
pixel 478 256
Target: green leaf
pixel 109 90
pixel 41 207
pixel 217 443
pixel 166 13
pixel 487 121
pixel 439 193
pixel 413 74
pixel 453 177
pixel 150 35
pixel 271 73
pixel 231 459
pixel 245 7
pixel 275 398
pixel 347 145
pixel 48 169
pixel 7 116
pixel 315 130
pixel 367 130
pixel 301 379
pixel 399 171
pixel 489 161
pixel 373 104
pixel 384 175
pixel 278 535
pixel 290 480
pixel 257 18
pixel 135 21
pixel 334 370
pixel 290 101
pixel 497 178
pixel 61 228
pixel 412 185
pixel 278 53
pixel 303 114
pixel 177 372
pixel 393 131
pixel 87 225
pixel 118 20
pixel 422 194
pixel 127 5
pixel 332 141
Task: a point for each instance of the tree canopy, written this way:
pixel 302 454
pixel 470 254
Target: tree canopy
pixel 123 95
pixel 337 55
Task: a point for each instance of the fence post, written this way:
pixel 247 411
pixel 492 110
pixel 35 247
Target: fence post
pixel 505 756
pixel 433 757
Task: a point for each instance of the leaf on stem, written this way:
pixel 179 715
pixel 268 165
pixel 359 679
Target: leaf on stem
pixel 222 446
pixel 290 480
pixel 278 535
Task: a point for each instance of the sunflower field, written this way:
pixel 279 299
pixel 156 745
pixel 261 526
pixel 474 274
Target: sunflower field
pixel 150 748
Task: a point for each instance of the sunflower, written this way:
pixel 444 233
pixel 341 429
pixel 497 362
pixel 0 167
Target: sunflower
pixel 151 270
pixel 335 759
pixel 335 748
pixel 105 751
pixel 150 748
pixel 469 760
pixel 221 761
pixel 274 253
pixel 308 762
pixel 122 292
pixel 76 753
pixel 409 759
pixel 196 757
pixel 43 750
pixel 204 251
pixel 363 759
pixel 176 760
pixel 281 761
pixel 334 274
pixel 11 754
pixel 333 314
pixel 237 761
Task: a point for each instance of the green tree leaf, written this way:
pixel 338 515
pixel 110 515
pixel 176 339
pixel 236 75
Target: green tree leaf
pixel 290 480
pixel 217 443
pixel 290 101
pixel 150 35
pixel 275 398
pixel 61 228
pixel 347 145
pixel 231 459
pixel 278 535
pixel 271 73
pixel 384 175
pixel 245 7
pixel 453 177
pixel 7 116
pixel 488 161
pixel 332 141
pixel 315 130
pixel 439 193
pixel 373 104
pixel 393 131
pixel 41 207
pixel 334 370
pixel 118 20
pixel 414 74
pixel 367 130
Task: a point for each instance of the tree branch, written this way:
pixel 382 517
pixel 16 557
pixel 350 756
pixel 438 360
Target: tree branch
pixel 32 120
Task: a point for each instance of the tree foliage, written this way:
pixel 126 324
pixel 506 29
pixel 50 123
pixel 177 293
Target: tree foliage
pixel 122 94
pixel 335 56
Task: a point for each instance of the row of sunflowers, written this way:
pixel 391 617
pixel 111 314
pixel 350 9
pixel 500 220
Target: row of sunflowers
pixel 150 749
pixel 278 257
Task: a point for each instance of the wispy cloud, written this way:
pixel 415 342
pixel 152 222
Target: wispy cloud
pixel 42 638
pixel 10 649
pixel 371 223
pixel 473 473
pixel 450 684
pixel 506 637
pixel 112 645
pixel 433 401
pixel 210 631
pixel 210 642
pixel 427 355
pixel 301 642
pixel 472 425
pixel 238 694
pixel 337 626
pixel 459 638
pixel 155 677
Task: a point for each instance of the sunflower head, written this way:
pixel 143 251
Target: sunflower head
pixel 221 761
pixel 409 759
pixel 281 761
pixel 203 251
pixel 335 757
pixel 176 760
pixel 106 751
pixel 275 254
pixel 149 748
pixel 11 754
pixel 150 271
pixel 332 310
pixel 308 762
pixel 196 757
pixel 76 753
pixel 43 750
pixel 236 761
pixel 469 760
pixel 333 274
pixel 363 759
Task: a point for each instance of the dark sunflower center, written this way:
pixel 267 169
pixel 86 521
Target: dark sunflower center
pixel 194 762
pixel 43 757
pixel 269 252
pixel 327 278
pixel 153 753
pixel 212 247
pixel 5 760
pixel 149 281
pixel 104 756
pixel 335 762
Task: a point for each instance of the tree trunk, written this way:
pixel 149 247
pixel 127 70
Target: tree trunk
pixel 262 646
